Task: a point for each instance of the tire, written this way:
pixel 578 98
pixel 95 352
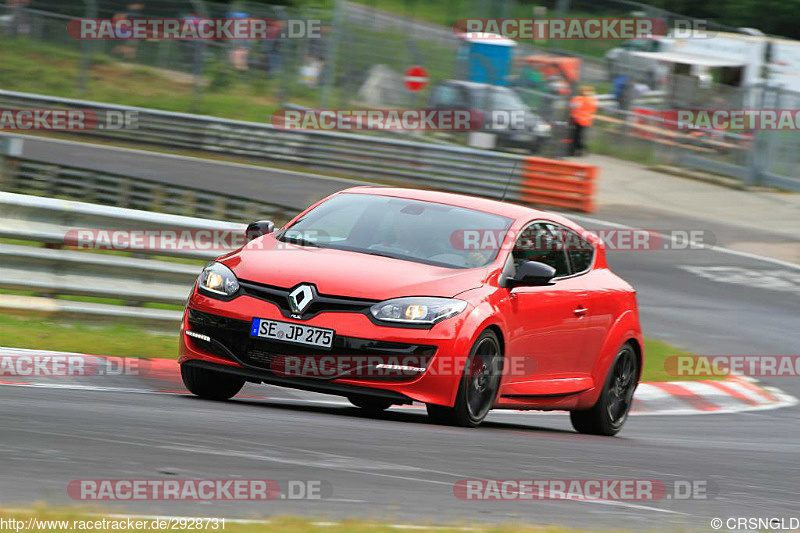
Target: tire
pixel 609 414
pixel 209 384
pixel 370 404
pixel 478 387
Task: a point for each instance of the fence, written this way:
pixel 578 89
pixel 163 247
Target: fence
pixel 363 45
pixel 649 133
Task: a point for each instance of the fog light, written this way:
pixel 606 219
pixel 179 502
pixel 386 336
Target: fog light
pixel 198 336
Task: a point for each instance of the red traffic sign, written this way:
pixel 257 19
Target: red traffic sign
pixel 416 78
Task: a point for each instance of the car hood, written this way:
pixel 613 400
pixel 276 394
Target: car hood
pixel 345 273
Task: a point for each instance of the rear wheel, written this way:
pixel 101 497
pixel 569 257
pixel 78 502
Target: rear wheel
pixel 478 387
pixel 369 404
pixel 611 410
pixel 209 384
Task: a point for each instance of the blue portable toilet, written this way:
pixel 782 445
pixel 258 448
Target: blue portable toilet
pixel 488 57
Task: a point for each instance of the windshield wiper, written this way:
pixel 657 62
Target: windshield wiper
pixel 368 252
pixel 298 240
pixel 379 254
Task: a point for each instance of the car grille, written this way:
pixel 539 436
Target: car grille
pixel 230 339
pixel 322 303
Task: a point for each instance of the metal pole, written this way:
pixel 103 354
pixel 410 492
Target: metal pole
pixel 86 51
pixel 199 56
pixel 760 145
pixel 562 8
pixel 332 54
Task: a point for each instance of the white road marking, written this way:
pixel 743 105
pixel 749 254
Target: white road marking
pixel 691 244
pixel 229 452
pixel 775 280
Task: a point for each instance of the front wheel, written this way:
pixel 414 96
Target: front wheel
pixel 477 388
pixel 209 384
pixel 611 410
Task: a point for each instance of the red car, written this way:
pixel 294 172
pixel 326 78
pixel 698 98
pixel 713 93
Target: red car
pixel 388 296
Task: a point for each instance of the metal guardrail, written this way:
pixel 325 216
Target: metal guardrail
pixel 136 277
pixel 450 168
pixel 31 177
pixel 50 221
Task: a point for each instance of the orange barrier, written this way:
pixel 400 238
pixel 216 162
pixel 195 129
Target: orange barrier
pixel 557 183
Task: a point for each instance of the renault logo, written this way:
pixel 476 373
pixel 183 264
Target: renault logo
pixel 300 298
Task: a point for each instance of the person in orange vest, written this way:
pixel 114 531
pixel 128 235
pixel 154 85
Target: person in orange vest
pixel 582 110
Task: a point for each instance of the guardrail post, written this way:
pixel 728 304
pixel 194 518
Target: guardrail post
pixel 158 195
pixel 190 203
pixel 219 208
pixel 9 147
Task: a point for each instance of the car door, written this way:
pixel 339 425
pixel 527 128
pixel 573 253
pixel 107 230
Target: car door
pixel 581 255
pixel 602 299
pixel 547 324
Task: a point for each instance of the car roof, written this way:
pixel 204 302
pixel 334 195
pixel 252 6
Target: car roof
pixel 496 207
pixel 474 85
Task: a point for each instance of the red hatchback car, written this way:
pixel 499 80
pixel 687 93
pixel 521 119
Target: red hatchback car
pixel 388 296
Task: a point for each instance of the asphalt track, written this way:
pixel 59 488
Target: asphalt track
pixel 397 466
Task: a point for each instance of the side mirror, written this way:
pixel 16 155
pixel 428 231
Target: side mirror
pixel 257 229
pixel 532 274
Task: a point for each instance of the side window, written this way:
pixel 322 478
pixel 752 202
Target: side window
pixel 448 97
pixel 544 243
pixel 579 250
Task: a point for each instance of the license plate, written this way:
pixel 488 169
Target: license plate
pixel 294 333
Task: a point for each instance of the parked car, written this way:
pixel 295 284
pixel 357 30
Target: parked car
pixel 528 134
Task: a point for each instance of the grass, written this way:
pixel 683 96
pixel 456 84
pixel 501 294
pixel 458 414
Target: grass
pixel 656 353
pixel 35 67
pixel 118 339
pixel 282 524
pixel 124 340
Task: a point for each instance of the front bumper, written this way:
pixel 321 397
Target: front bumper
pixel 222 339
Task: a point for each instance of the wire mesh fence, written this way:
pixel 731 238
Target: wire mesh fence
pixel 362 50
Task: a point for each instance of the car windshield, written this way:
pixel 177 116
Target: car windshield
pixel 412 230
pixel 506 100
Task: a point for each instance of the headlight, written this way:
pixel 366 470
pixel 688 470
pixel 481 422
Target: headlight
pixel 543 128
pixel 219 279
pixel 417 310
